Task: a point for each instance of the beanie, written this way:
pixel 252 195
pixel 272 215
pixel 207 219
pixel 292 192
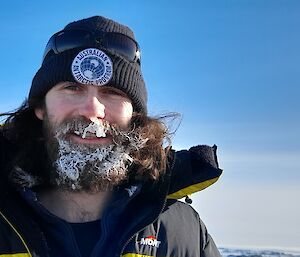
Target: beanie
pixel 91 62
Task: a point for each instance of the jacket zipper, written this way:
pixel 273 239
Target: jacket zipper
pixel 157 216
pixel 104 226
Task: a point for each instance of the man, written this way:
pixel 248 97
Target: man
pixel 84 170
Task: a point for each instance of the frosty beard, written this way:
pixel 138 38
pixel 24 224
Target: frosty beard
pixel 90 168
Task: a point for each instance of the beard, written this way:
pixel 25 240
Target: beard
pixel 84 167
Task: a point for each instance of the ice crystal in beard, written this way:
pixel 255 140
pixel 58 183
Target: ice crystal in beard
pixel 101 167
pixel 82 128
pixel 95 127
pixel 76 163
pixel 23 178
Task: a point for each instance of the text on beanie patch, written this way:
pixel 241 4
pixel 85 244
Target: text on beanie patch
pixel 92 66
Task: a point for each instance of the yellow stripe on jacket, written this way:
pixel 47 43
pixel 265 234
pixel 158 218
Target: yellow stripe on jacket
pixel 192 189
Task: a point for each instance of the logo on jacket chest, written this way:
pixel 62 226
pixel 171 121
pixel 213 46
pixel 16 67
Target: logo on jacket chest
pixel 150 240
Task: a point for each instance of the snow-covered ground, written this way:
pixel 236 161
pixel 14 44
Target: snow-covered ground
pixel 230 252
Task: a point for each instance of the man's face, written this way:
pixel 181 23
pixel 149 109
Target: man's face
pixel 69 100
pixel 73 116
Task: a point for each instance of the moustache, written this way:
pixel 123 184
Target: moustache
pixel 99 128
pixel 81 127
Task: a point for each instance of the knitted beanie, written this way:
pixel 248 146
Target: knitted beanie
pixel 116 70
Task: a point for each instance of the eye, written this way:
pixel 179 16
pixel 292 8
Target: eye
pixel 73 87
pixel 113 91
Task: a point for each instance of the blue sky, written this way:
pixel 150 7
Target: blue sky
pixel 231 68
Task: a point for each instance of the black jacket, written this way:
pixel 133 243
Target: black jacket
pixel 151 223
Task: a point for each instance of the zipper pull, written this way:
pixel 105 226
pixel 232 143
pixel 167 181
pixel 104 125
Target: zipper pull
pixel 188 200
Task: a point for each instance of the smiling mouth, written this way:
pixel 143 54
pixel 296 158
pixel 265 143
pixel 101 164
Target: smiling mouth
pixel 95 129
pixel 90 139
pixel 97 132
pixel 88 135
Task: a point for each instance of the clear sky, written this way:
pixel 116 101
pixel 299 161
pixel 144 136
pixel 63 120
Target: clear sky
pixel 230 67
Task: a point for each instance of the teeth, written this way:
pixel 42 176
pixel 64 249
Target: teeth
pixel 90 135
pixel 95 129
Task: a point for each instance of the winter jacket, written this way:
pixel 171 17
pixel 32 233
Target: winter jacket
pixel 151 223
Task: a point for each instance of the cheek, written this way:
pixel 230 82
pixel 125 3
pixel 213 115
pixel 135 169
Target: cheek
pixel 123 114
pixel 127 110
pixel 58 110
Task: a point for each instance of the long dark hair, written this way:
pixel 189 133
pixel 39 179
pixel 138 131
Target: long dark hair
pixel 23 131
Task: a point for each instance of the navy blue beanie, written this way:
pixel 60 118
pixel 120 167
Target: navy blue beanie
pixel 126 76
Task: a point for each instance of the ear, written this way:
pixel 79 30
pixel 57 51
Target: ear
pixel 39 113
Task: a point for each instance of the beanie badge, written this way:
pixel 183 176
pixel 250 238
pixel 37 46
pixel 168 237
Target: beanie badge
pixel 92 66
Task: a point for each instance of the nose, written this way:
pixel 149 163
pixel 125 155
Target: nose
pixel 92 108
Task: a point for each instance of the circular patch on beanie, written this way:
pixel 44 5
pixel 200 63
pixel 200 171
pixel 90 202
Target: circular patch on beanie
pixel 92 67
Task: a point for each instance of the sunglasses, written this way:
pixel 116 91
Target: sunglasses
pixel 114 42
